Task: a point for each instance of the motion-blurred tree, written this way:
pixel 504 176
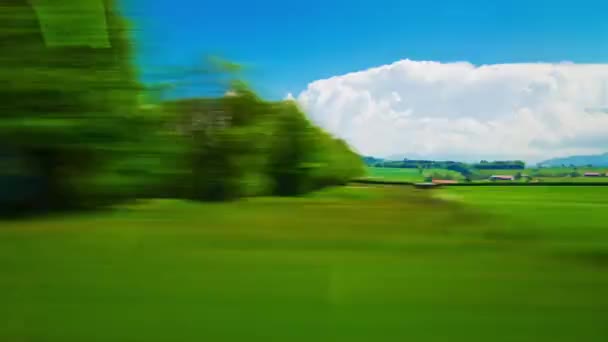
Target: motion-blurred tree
pixel 291 139
pixel 242 145
pixel 63 106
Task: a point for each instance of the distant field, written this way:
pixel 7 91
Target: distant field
pixel 557 171
pixel 551 174
pixel 394 174
pixel 409 175
pixel 349 264
pixel 573 179
pixel 542 175
pixel 547 171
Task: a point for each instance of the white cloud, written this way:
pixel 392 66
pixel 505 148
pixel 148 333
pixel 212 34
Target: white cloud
pixel 462 111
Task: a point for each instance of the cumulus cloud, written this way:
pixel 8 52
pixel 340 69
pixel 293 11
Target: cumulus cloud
pixel 467 112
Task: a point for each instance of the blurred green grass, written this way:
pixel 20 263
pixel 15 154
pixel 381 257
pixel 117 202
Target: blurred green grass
pixel 346 264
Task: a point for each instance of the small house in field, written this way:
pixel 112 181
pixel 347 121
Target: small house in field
pixel 502 178
pixel 444 181
pixel 592 174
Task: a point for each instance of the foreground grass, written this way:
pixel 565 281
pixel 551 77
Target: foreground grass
pixel 350 264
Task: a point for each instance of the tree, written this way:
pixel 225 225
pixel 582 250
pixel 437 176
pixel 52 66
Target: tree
pixel 68 107
pixel 241 145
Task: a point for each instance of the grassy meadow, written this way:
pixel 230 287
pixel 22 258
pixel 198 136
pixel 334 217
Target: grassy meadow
pixel 558 171
pixel 409 175
pixel 573 179
pixel 347 264
pixel 551 175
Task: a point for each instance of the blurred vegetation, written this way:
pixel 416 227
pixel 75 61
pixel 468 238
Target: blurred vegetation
pixel 240 145
pixel 65 108
pixel 77 129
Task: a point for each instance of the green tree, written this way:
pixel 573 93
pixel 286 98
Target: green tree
pixel 68 107
pixel 240 145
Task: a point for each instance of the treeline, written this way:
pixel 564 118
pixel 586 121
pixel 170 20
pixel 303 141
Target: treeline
pixel 500 165
pixel 449 165
pixel 470 172
pixel 77 130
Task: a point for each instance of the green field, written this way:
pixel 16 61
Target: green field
pixel 348 264
pixel 549 171
pixel 551 175
pixel 409 175
pixel 573 179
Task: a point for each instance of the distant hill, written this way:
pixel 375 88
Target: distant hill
pixel 600 160
pixel 372 161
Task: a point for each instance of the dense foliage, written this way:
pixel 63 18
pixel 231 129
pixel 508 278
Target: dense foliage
pixel 75 129
pixel 240 145
pixel 64 107
pixel 500 165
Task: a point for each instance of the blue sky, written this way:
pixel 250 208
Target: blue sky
pixel 288 44
pixel 512 98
